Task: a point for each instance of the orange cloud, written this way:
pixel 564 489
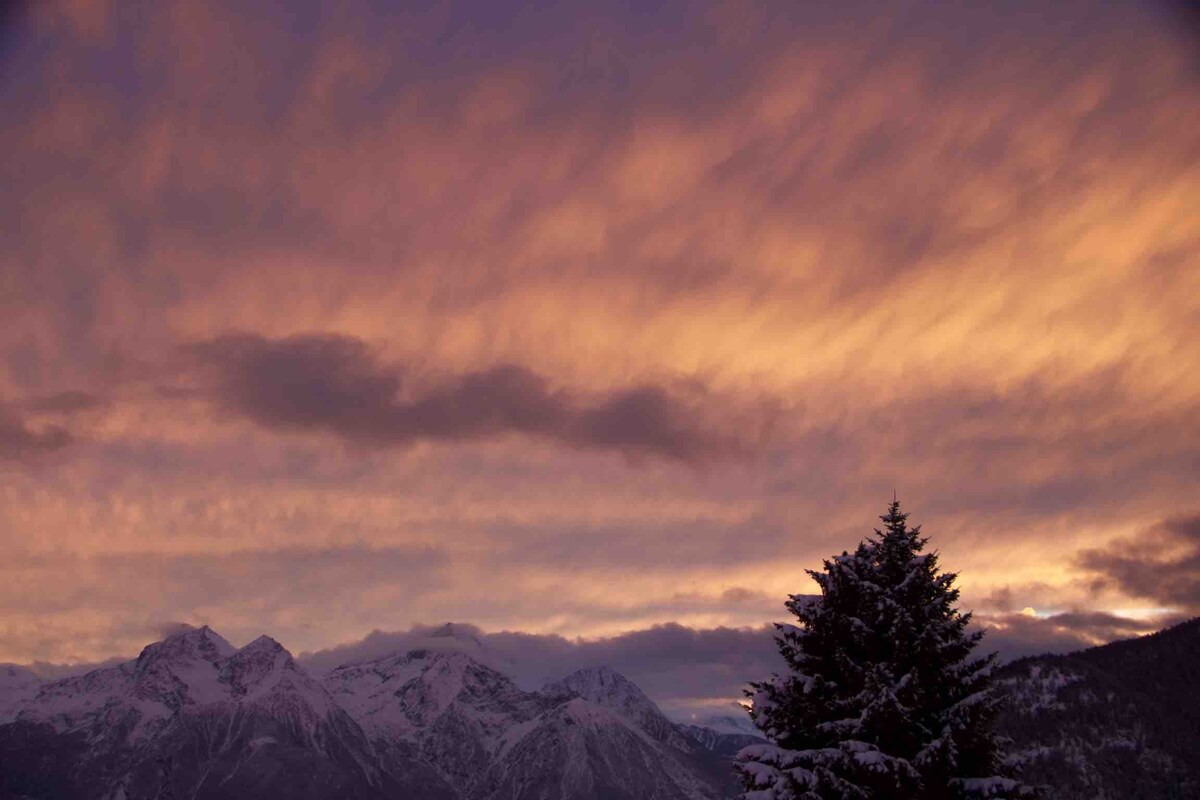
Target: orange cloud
pixel 946 251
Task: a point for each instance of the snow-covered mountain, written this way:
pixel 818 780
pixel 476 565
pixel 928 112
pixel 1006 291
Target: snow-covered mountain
pixel 196 717
pixel 579 749
pixel 591 735
pixel 192 716
pixel 443 706
pixel 733 719
pixel 723 733
pixel 609 689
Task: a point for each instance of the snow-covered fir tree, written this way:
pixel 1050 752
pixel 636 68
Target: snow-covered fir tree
pixel 884 698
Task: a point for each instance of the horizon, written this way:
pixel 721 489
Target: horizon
pixel 601 323
pixel 535 661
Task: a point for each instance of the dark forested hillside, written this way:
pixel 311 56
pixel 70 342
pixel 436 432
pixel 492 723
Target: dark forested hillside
pixel 1115 722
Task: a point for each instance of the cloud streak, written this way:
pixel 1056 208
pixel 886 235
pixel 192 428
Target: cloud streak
pixel 1162 564
pixel 333 384
pixel 20 440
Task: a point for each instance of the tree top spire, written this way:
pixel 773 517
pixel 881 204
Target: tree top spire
pixel 894 517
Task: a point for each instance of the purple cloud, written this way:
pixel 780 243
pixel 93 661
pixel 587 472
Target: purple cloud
pixel 334 384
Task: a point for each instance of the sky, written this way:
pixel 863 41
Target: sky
pixel 594 323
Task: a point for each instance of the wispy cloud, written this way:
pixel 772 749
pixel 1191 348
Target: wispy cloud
pixel 617 309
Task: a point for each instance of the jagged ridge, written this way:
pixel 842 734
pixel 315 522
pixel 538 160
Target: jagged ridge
pixel 194 716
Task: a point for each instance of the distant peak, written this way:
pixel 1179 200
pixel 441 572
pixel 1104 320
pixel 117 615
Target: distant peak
pixel 604 675
pixel 203 642
pixel 605 687
pixel 451 630
pixel 183 630
pixel 264 644
pixel 602 685
pixel 604 670
pixel 428 654
pixel 260 666
pixel 265 641
pixel 445 630
pixel 449 644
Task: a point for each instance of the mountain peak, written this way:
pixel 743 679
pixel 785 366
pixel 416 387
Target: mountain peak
pixel 452 668
pixel 596 682
pixel 261 656
pixel 453 630
pixel 202 641
pixel 603 672
pixel 606 687
pixel 191 655
pixel 264 644
pixel 263 668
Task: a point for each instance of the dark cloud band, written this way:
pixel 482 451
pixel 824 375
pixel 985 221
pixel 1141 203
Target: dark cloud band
pixel 18 439
pixel 1163 564
pixel 334 384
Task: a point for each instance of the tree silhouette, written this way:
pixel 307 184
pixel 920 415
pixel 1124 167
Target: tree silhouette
pixel 883 697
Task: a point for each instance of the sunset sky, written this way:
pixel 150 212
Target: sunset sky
pixel 585 318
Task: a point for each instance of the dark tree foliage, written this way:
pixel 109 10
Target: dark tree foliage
pixel 883 698
pixel 1119 720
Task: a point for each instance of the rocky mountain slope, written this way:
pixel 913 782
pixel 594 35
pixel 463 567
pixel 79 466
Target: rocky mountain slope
pixel 195 717
pixel 1112 722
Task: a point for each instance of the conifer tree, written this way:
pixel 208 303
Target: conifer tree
pixel 883 699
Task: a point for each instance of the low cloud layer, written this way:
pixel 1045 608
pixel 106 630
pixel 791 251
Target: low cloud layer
pixel 684 669
pixel 693 672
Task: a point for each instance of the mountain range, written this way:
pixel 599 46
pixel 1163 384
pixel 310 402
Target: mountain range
pixel 194 717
